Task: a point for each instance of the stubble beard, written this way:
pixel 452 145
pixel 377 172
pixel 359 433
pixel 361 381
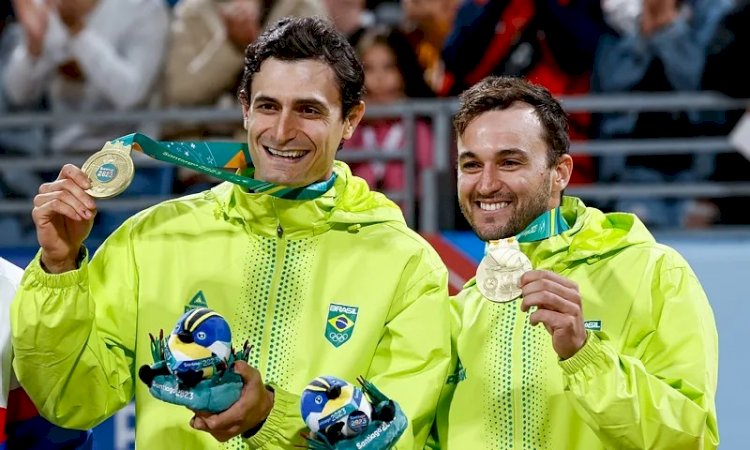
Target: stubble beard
pixel 523 215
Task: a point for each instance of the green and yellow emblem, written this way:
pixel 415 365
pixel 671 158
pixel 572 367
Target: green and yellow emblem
pixel 340 323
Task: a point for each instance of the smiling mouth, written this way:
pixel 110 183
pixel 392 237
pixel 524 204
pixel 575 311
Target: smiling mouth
pixel 291 155
pixel 492 206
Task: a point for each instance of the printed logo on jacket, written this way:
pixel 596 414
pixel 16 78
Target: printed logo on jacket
pixel 340 323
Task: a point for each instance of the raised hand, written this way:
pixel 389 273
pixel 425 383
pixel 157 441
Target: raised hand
pixel 657 14
pixel 558 304
pixel 73 13
pixel 34 18
pixel 242 19
pixel 63 214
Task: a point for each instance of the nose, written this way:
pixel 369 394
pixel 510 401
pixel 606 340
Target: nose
pixel 286 128
pixel 489 181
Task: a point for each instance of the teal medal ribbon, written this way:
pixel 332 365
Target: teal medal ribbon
pixel 548 224
pixel 213 158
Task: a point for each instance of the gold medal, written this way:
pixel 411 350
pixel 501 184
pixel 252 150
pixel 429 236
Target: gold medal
pixel 110 170
pixel 500 271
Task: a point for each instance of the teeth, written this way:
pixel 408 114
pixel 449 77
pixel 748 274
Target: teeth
pixel 286 154
pixel 493 206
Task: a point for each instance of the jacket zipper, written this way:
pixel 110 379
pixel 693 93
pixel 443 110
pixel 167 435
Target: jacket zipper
pixel 265 350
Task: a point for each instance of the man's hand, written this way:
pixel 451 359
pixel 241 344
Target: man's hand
pixel 34 18
pixel 73 13
pixel 242 19
pixel 558 304
pixel 251 409
pixel 63 214
pixel 657 14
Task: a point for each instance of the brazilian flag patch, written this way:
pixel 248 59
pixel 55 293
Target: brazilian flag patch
pixel 340 323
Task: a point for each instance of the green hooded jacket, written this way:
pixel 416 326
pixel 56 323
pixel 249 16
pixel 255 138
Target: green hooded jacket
pixel 276 269
pixel 646 377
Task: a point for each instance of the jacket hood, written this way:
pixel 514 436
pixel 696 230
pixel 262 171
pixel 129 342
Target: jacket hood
pixel 592 234
pixel 349 202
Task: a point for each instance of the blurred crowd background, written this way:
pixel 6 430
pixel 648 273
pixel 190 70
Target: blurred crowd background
pixel 74 56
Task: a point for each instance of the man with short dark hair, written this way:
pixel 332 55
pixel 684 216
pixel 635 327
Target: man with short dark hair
pixel 626 356
pixel 322 279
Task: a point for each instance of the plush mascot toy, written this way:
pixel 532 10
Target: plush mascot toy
pixel 342 416
pixel 194 365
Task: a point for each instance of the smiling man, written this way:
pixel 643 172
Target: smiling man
pixel 336 284
pixel 609 342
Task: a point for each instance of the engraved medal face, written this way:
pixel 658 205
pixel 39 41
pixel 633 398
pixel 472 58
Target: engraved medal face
pixel 110 170
pixel 500 271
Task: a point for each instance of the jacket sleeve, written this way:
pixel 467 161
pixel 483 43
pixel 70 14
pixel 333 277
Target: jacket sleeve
pixel 412 359
pixel 656 390
pixel 74 336
pixel 439 431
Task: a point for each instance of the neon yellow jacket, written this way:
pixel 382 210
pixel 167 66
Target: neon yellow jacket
pixel 273 268
pixel 646 378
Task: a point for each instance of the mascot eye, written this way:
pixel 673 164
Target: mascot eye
pixel 201 335
pixel 318 399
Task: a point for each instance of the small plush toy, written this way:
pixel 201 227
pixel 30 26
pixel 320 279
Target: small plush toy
pixel 342 416
pixel 335 408
pixel 194 365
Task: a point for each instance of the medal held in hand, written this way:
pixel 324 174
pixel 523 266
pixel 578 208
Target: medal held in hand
pixel 110 170
pixel 500 271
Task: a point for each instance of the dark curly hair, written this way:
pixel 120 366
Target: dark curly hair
pixel 298 38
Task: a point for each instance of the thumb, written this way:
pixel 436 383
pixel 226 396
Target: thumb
pixel 244 370
pixel 198 423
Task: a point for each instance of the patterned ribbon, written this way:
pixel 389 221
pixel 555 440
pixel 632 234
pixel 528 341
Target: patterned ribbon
pixel 214 158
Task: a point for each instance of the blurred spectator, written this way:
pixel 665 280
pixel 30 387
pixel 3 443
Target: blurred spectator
pixel 725 72
pixel 427 24
pixel 17 141
pixel 550 42
pixel 350 18
pixel 391 76
pixel 14 183
pixel 86 55
pixel 208 40
pixel 661 48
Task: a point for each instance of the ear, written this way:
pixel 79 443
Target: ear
pixel 353 119
pixel 561 173
pixel 245 110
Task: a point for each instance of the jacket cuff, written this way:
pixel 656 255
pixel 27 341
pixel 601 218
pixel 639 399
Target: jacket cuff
pixel 589 354
pixel 35 275
pixel 284 404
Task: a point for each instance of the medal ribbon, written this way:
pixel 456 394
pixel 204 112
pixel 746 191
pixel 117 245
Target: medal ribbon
pixel 548 224
pixel 212 158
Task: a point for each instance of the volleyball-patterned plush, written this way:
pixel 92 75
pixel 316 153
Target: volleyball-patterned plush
pixel 199 345
pixel 335 408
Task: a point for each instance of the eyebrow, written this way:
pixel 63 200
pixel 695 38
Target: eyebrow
pixel 306 101
pixel 506 152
